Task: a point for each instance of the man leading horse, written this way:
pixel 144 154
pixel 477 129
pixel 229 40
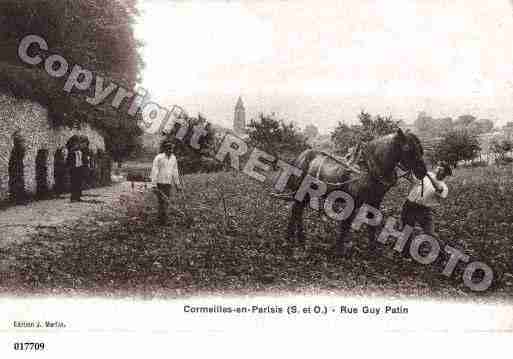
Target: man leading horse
pixel 380 159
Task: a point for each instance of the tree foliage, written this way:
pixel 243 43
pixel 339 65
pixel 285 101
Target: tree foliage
pixel 369 128
pixel 97 35
pixel 276 137
pixel 125 141
pixel 457 145
pixel 193 150
pixel 464 121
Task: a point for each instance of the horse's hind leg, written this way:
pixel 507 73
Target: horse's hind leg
pixel 300 228
pixel 342 231
pixel 373 241
pixel 295 227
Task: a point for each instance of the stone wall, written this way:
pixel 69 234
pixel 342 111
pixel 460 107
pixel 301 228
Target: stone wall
pixel 30 119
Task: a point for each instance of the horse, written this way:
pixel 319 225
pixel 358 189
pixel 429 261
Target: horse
pixel 379 160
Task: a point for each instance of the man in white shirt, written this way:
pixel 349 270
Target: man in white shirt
pixel 424 196
pixel 164 173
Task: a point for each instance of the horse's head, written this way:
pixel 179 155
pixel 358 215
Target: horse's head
pixel 411 153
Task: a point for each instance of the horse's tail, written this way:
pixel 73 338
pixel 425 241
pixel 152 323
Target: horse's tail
pixel 302 162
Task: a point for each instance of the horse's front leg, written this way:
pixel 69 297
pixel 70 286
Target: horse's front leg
pixel 295 227
pixel 373 245
pixel 342 230
pixel 372 235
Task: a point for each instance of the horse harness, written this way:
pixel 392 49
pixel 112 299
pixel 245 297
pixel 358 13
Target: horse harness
pixel 406 174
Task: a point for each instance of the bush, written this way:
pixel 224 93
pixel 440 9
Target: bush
pixel 456 146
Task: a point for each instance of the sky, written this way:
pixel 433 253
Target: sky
pixel 322 62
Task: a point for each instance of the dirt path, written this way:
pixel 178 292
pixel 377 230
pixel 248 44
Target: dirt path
pixel 20 222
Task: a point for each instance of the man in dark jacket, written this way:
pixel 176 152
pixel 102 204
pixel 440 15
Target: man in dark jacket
pixel 76 163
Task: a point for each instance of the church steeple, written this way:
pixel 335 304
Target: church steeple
pixel 239 104
pixel 239 119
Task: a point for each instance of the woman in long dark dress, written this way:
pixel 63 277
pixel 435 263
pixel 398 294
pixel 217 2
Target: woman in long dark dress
pixel 75 165
pixel 16 171
pixel 59 172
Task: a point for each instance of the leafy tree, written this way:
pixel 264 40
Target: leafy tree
pixel 464 121
pixel 95 34
pixel 276 137
pixel 196 145
pixel 126 141
pixel 457 145
pixel 345 137
pixel 379 126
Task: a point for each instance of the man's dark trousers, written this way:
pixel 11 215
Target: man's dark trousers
pixel 163 193
pixel 413 213
pixel 76 183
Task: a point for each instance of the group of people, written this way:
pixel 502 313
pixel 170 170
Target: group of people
pixel 164 173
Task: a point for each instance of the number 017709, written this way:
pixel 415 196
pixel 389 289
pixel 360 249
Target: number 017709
pixel 28 346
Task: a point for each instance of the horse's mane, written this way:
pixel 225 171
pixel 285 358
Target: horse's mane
pixel 415 140
pixel 391 136
pixel 368 148
pixel 368 153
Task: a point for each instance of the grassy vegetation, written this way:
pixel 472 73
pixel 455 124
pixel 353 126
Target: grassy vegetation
pixel 235 245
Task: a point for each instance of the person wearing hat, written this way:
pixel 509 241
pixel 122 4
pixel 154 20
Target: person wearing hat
pixel 84 171
pixel 424 197
pixel 75 162
pixel 164 174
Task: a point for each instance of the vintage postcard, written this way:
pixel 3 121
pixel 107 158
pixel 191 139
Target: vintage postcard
pixel 250 178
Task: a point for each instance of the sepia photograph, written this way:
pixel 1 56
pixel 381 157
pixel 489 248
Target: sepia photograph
pixel 214 171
